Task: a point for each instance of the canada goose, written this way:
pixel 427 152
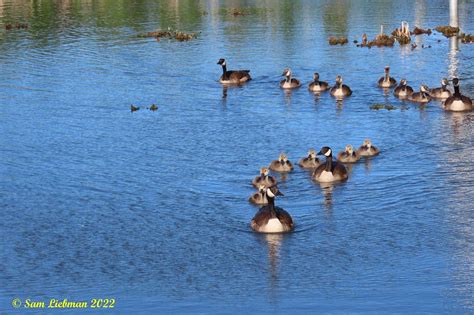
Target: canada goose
pixel 403 90
pixel 387 81
pixel 458 102
pixel 153 107
pixel 264 179
pixel 289 82
pixel 421 97
pixel 367 149
pixel 441 92
pixel 282 164
pixel 311 161
pixel 134 108
pixel 340 89
pixel 233 76
pixel 259 197
pixel 272 219
pixel 318 86
pixel 348 156
pixel 331 171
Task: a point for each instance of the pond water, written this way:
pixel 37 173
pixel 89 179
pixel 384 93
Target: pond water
pixel 150 208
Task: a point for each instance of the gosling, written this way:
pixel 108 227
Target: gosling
pixel 367 149
pixel 387 81
pixel 348 156
pixel 310 161
pixel 289 82
pixel 264 179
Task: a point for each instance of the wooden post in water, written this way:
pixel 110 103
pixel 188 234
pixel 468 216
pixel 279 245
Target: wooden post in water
pixel 453 13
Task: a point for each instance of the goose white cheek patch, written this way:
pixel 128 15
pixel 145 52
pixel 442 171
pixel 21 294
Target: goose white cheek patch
pixel 270 193
pixel 328 153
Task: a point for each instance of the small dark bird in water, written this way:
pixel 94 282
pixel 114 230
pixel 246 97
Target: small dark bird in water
pixel 153 107
pixel 134 108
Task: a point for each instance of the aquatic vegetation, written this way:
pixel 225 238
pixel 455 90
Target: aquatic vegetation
pixel 402 34
pixel 177 35
pixel 420 31
pixel 387 107
pixel 18 26
pixel 447 30
pixel 467 38
pixel 237 12
pixel 382 40
pixel 338 41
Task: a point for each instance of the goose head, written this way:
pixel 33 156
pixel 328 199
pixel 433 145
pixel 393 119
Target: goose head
pixel 221 62
pixel 272 192
pixel 326 151
pixel 349 149
pixel 264 171
pixel 444 82
pixel 283 158
pixel 367 143
pixel 316 76
pixel 312 154
pixel 455 82
pixel 387 69
pixel 338 80
pixel 286 72
pixel 403 82
pixel 424 88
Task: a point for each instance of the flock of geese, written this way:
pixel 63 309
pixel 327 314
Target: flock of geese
pixel 273 219
pixel 452 101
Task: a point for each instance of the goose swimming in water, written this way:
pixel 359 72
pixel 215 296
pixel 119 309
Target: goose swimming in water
pixel 421 97
pixel 348 156
pixel 441 92
pixel 458 102
pixel 289 82
pixel 272 219
pixel 264 179
pixel 233 76
pixel 403 90
pixel 260 197
pixel 339 89
pixel 387 81
pixel 331 171
pixel 367 149
pixel 318 86
pixel 282 164
pixel 311 161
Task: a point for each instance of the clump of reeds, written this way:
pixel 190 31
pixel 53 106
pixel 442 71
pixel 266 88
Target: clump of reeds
pixel 338 41
pixel 402 34
pixel 447 30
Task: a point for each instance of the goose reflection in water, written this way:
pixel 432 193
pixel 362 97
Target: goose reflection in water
pixel 273 244
pixel 327 189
